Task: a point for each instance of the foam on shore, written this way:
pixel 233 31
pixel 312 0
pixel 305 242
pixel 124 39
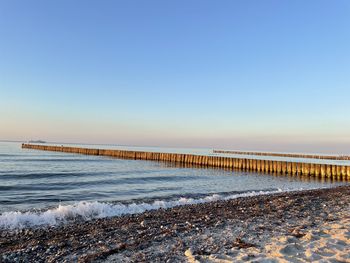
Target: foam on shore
pixel 90 210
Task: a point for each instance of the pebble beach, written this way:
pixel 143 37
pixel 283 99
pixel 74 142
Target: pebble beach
pixel 300 226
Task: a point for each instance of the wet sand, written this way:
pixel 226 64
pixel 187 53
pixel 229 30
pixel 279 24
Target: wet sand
pixel 305 226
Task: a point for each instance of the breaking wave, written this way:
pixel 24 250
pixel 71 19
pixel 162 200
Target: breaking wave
pixel 90 210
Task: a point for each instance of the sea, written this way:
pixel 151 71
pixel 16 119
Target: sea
pixel 42 188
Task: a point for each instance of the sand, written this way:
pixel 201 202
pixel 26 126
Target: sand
pixel 328 242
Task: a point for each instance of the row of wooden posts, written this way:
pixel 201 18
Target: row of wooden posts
pixel 292 155
pixel 337 172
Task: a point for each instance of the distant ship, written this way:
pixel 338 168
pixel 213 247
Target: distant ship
pixel 37 141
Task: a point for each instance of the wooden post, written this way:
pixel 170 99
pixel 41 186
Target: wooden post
pixel 211 161
pixel 317 170
pixel 334 171
pixel 299 172
pixel 195 159
pixel 274 167
pixel 284 167
pixel 263 166
pixel 338 171
pixel 234 163
pixel 271 167
pixel 323 170
pixel 258 165
pixel 294 168
pixel 289 168
pixel 226 162
pixel 312 169
pixel 307 169
pixel 250 165
pixel 328 171
pixel 205 161
pixel 343 172
pixel 254 166
pixel 218 161
pixel 231 163
pixel 246 164
pixel 201 160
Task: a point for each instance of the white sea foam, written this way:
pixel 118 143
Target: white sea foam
pixel 91 210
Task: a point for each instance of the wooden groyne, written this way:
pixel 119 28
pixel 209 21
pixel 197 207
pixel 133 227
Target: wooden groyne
pixel 336 172
pixel 291 155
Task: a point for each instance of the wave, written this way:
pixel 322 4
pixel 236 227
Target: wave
pixel 91 210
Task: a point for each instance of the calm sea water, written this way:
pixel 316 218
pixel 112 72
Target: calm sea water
pixel 40 187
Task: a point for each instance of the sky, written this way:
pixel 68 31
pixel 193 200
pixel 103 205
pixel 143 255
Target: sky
pixel 245 75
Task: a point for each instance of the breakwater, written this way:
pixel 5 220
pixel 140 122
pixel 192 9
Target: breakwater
pixel 291 155
pixel 334 171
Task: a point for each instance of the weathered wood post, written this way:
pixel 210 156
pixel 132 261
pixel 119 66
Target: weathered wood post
pixel 226 162
pixel 293 168
pixel 307 169
pixel 279 167
pixel 201 160
pixel 215 161
pixel 328 171
pixel 299 172
pixel 289 168
pixel 249 164
pixel 241 164
pixel 205 161
pixel 284 167
pixel 219 162
pixel 271 167
pixel 230 163
pixel 338 171
pixel 211 161
pixel 323 170
pixel 263 166
pixel 258 165
pixel 254 166
pixel 245 162
pixel 312 169
pixel 274 166
pixel 195 159
pixel 234 163
pixel 343 172
pixel 334 171
pixel 187 159
pixel 317 170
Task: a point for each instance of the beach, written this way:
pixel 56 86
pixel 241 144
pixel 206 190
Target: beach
pixel 174 131
pixel 300 226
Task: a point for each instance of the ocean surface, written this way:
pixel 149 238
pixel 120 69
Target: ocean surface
pixel 40 188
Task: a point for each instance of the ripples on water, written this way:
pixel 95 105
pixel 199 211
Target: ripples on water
pixel 31 179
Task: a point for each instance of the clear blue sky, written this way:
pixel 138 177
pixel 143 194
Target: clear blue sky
pixel 265 75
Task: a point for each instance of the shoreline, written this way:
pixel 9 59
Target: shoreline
pixel 221 230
